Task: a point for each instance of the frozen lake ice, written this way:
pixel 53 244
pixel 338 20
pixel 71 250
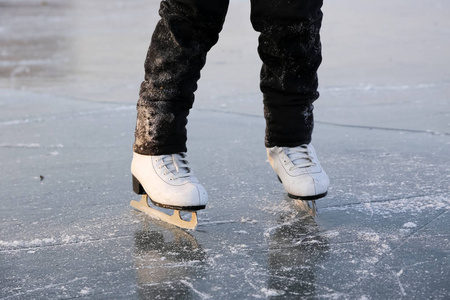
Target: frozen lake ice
pixel 69 76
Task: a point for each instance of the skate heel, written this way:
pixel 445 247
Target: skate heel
pixel 137 187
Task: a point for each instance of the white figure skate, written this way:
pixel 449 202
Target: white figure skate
pixel 299 171
pixel 168 182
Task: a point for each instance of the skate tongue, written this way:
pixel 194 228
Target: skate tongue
pixel 299 156
pixel 177 165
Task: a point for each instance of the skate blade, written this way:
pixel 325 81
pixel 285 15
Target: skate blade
pixel 174 219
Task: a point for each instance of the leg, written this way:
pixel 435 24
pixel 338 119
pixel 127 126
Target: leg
pixel 290 48
pixel 186 32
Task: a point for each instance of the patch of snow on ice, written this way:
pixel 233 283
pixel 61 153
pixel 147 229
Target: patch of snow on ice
pixel 20 145
pixel 51 241
pixel 27 244
pixel 409 225
pixel 410 205
pixel 85 291
pixel 70 239
pixel 369 236
pixel 330 234
pixel 238 249
pixel 248 220
pixel 31 146
pixel 271 292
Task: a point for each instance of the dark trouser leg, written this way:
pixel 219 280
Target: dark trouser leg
pixel 186 32
pixel 290 48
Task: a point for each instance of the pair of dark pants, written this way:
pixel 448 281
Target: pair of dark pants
pixel 289 46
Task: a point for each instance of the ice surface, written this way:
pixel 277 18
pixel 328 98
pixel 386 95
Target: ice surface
pixel 69 79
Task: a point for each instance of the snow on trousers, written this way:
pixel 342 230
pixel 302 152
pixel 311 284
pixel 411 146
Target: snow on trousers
pixel 289 47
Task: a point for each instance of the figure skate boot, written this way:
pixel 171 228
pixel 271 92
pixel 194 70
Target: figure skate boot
pixel 167 180
pixel 299 171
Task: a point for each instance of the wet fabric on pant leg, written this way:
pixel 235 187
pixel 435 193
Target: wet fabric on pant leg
pixel 290 48
pixel 186 32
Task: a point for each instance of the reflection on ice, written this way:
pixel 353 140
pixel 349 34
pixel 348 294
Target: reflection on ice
pixel 296 247
pixel 306 207
pixel 165 260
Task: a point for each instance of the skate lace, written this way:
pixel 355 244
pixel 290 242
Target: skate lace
pixel 300 157
pixel 177 165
